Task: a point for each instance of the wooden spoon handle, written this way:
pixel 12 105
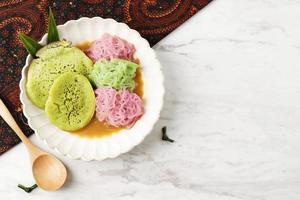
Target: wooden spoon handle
pixel 8 118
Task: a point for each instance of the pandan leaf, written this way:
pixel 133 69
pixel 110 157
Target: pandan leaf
pixel 30 44
pixel 165 136
pixel 27 189
pixel 52 29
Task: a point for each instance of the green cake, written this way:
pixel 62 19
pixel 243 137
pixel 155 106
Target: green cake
pixel 71 102
pixel 53 60
pixel 116 73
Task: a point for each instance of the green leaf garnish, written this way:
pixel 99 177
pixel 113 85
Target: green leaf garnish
pixel 27 189
pixel 165 136
pixel 52 29
pixel 30 44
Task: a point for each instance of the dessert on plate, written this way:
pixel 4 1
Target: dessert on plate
pixel 53 60
pixel 71 102
pixel 105 90
pixel 86 88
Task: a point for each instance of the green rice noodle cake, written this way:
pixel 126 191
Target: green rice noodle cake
pixel 53 60
pixel 116 73
pixel 71 102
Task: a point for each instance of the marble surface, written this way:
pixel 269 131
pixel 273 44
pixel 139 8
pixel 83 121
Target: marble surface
pixel 232 75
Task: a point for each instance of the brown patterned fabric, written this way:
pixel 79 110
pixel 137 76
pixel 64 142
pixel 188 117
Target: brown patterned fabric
pixel 154 19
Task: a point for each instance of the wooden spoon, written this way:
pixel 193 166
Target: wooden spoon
pixel 49 172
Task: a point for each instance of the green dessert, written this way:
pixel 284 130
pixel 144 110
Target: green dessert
pixel 53 60
pixel 116 73
pixel 71 102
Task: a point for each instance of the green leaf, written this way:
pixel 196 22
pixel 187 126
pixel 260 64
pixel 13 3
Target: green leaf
pixel 30 44
pixel 52 29
pixel 165 136
pixel 27 189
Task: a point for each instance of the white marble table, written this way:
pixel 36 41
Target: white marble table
pixel 232 104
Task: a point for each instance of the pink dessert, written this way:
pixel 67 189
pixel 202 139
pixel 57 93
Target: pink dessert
pixel 109 47
pixel 118 108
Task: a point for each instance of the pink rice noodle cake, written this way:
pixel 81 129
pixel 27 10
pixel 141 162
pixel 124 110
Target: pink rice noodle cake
pixel 109 47
pixel 118 108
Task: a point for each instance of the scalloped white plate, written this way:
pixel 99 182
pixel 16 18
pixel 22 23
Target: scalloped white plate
pixel 77 147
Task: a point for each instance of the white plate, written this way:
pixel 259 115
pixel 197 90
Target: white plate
pixel 107 147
